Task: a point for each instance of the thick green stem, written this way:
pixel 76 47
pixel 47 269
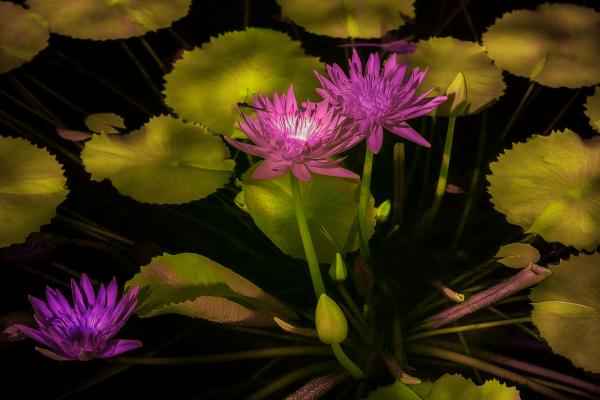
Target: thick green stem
pixel 346 362
pixel 443 176
pixel 466 328
pixel 309 250
pixel 363 206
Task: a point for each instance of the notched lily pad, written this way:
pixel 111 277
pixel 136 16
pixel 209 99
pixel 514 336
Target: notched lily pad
pixel 566 310
pixel 207 84
pixel 23 34
pixel 348 18
pixel 592 109
pixel 32 185
pixel 104 123
pixel 109 19
pixel 195 286
pixel 331 206
pixel 555 45
pixel 550 185
pixel 517 255
pixel 445 58
pixel 166 161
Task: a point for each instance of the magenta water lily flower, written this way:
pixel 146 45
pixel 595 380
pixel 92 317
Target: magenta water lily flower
pixel 85 330
pixel 378 99
pixel 302 139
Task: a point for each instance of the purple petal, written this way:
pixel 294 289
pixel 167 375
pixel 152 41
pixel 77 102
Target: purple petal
pixel 291 105
pixel 333 171
pixel 111 293
pixel 408 133
pixel 247 148
pixel 267 169
pixel 34 334
pixel 51 354
pixel 375 138
pixel 301 172
pixel 57 301
pixel 119 346
pixel 373 65
pixel 78 300
pixel 88 289
pixel 40 308
pixel 390 65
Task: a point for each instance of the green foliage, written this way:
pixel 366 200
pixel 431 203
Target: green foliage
pixel 23 34
pixel 517 255
pixel 566 310
pixel 195 286
pixel 348 18
pixel 592 109
pixel 206 85
pixel 166 161
pixel 330 203
pixel 110 19
pixel 555 45
pixel 104 123
pixel 32 185
pixel 550 185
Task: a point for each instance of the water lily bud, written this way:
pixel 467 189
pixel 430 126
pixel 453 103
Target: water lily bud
pixel 337 270
pixel 330 320
pixel 457 95
pixel 383 211
pixel 240 201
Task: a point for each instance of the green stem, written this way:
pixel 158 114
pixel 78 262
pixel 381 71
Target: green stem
pixel 517 112
pixel 466 328
pixel 399 183
pixel 153 54
pixel 523 327
pixel 346 362
pixel 309 250
pixel 352 305
pixel 363 205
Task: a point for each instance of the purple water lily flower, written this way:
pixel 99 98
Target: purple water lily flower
pixel 301 139
pixel 85 330
pixel 376 99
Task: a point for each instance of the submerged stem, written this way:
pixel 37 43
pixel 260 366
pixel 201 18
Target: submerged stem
pixel 466 328
pixel 363 205
pixel 347 363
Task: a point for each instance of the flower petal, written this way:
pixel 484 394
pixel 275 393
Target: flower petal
pixel 51 354
pixel 119 346
pixel 88 289
pixel 268 169
pixel 301 171
pixel 375 138
pixel 404 130
pixel 333 171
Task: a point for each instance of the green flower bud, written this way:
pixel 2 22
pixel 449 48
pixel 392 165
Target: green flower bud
pixel 337 270
pixel 457 95
pixel 331 323
pixel 383 211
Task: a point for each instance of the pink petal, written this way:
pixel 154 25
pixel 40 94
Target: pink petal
pixel 267 169
pixel 246 148
pixel 375 138
pixel 333 171
pixel 408 133
pixel 301 172
pixel 291 105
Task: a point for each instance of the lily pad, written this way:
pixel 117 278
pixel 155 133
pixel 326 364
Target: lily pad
pixel 207 84
pixel 562 39
pixel 331 206
pixel 32 185
pixel 445 58
pixel 550 185
pixel 348 18
pixel 23 34
pixel 566 310
pixel 195 286
pixel 592 109
pixel 448 387
pixel 166 161
pixel 109 19
pixel 517 255
pixel 104 123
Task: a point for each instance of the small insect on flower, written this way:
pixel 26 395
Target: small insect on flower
pixel 84 330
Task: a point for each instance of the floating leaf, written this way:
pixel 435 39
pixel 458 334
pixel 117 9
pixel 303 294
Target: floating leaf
pixel 166 161
pixel 517 255
pixel 74 136
pixel 330 203
pixel 109 19
pixel 448 387
pixel 566 310
pixel 561 39
pixel 207 84
pixel 32 185
pixel 445 58
pixel 592 109
pixel 104 123
pixel 197 287
pixel 348 18
pixel 550 185
pixel 23 34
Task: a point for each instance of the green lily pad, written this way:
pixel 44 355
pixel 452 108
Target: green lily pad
pixel 23 34
pixel 166 161
pixel 517 255
pixel 550 185
pixel 445 58
pixel 592 109
pixel 348 18
pixel 109 19
pixel 104 123
pixel 448 387
pixel 561 39
pixel 195 286
pixel 566 310
pixel 32 185
pixel 207 84
pixel 331 206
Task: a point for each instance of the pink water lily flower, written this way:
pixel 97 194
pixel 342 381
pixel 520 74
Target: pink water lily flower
pixel 301 139
pixel 378 99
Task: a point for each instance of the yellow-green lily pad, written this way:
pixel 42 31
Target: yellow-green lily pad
pixel 109 19
pixel 592 109
pixel 207 84
pixel 561 39
pixel 348 18
pixel 550 185
pixel 32 185
pixel 166 161
pixel 445 58
pixel 23 34
pixel 331 206
pixel 566 310
pixel 104 123
pixel 517 255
